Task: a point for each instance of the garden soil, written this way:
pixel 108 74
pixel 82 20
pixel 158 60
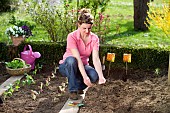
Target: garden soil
pixel 138 91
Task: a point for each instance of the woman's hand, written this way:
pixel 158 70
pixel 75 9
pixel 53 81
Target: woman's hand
pixel 87 81
pixel 102 80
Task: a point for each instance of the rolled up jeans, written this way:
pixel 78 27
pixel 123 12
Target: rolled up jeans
pixel 69 68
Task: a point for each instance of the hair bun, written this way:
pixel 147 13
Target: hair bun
pixel 85 16
pixel 84 10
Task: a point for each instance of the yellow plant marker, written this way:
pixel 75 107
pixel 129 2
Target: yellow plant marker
pixel 127 57
pixel 111 57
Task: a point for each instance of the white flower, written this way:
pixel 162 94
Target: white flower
pixel 15 31
pixel 20 29
pixel 16 35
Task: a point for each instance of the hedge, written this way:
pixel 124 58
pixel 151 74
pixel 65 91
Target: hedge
pixel 142 58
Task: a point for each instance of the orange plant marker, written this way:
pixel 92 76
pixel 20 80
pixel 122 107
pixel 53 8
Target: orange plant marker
pixel 127 57
pixel 111 57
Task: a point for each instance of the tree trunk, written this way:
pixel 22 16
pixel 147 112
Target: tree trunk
pixel 140 14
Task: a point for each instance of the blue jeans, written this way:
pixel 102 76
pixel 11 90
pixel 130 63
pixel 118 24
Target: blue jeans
pixel 69 69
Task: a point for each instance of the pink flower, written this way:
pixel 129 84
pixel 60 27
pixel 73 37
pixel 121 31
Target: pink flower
pixel 101 17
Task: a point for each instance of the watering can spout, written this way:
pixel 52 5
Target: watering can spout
pixel 36 54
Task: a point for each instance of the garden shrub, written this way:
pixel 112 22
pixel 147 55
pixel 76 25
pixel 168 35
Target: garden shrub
pixel 8 5
pixel 5 5
pixel 142 58
pixel 57 20
pixel 160 17
pixel 3 52
pixel 61 19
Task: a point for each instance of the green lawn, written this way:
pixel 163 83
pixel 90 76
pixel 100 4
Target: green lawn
pixel 121 14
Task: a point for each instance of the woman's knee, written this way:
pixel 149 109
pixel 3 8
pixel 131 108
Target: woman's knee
pixel 62 69
pixel 93 76
pixel 71 60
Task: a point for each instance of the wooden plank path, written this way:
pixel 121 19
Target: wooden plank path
pixel 72 109
pixel 9 81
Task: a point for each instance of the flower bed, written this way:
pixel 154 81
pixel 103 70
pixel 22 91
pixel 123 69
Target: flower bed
pixel 144 91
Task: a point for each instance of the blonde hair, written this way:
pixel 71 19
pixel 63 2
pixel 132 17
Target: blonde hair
pixel 85 16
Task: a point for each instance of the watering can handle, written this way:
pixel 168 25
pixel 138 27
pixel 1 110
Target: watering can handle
pixel 30 48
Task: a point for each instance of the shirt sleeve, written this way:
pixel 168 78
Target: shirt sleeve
pixel 96 44
pixel 71 42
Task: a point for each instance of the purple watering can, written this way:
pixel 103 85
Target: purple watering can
pixel 29 56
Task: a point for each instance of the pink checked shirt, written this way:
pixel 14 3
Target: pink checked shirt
pixel 75 42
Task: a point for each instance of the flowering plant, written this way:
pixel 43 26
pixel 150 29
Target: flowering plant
pixel 16 31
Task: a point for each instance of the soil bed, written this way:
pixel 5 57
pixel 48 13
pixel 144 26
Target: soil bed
pixel 140 91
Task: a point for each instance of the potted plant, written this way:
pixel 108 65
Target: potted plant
pixel 20 30
pixel 18 34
